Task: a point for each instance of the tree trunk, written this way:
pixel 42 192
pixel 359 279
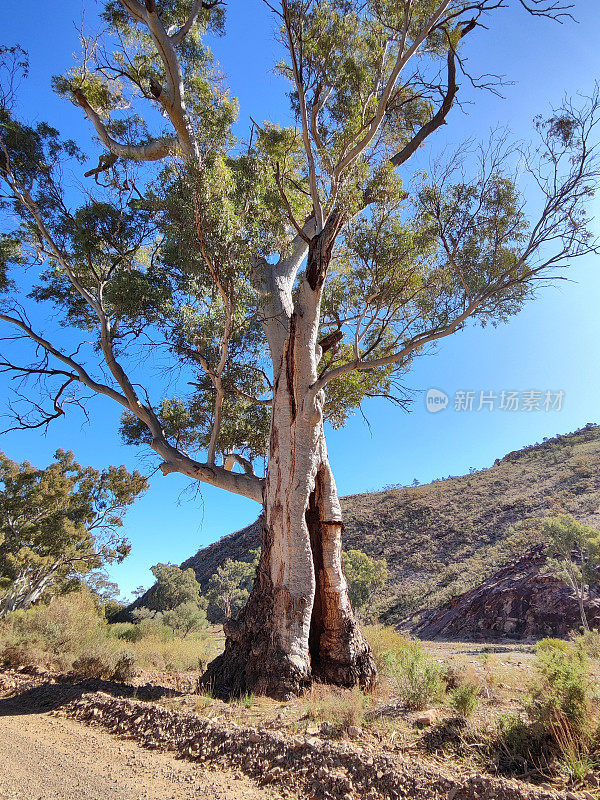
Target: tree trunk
pixel 298 624
pixel 581 600
pixel 25 590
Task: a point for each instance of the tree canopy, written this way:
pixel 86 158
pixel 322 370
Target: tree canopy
pixel 178 262
pixel 59 523
pixel 365 575
pixel 173 587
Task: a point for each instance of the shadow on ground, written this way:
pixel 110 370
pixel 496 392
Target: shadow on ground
pixel 51 695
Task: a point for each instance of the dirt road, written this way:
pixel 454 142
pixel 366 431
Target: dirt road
pixel 44 757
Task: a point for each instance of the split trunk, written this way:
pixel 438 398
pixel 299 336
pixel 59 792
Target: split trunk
pixel 298 624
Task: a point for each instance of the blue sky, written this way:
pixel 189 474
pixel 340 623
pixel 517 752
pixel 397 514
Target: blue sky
pixel 550 345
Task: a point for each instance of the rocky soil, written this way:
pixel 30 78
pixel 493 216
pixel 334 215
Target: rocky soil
pixel 291 765
pixel 45 757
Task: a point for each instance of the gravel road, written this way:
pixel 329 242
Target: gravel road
pixel 45 757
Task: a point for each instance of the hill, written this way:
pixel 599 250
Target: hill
pixel 443 538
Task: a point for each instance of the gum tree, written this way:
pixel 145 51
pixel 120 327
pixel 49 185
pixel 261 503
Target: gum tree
pixel 280 280
pixel 57 524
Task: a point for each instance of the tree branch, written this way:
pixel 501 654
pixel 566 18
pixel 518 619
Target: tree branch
pixel 154 150
pixel 440 117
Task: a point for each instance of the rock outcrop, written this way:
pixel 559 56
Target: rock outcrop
pixel 517 602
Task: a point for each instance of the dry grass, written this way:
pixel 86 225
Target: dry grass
pixel 341 708
pixel 71 633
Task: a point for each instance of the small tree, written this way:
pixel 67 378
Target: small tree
pixel 58 523
pixel 574 555
pixel 174 586
pixel 364 575
pixel 186 617
pixel 174 600
pixel 229 587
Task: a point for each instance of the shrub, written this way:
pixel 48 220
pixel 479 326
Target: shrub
pixel 561 692
pixel 92 665
pixel 521 744
pixel 384 639
pixel 69 625
pixel 72 630
pixel 185 618
pixel 464 698
pixel 415 676
pixel 14 656
pixel 125 667
pixel 247 700
pixel 589 641
pixel 558 706
pixel 128 631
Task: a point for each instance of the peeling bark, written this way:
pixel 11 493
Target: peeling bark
pixel 298 624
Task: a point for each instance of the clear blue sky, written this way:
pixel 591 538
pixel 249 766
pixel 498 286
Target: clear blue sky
pixel 551 345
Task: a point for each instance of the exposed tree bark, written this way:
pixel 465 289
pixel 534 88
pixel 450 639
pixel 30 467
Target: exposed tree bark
pixel 298 623
pixel 26 589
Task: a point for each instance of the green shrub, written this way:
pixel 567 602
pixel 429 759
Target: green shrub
pixel 384 639
pixel 414 675
pixel 128 631
pixel 247 700
pixel 558 708
pixel 560 694
pixel 589 641
pixel 521 744
pixel 464 698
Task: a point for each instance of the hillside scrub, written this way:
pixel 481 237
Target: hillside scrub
pixel 71 632
pixel 446 537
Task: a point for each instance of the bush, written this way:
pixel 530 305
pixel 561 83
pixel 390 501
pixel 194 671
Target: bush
pixel 415 676
pixel 15 656
pixel 560 695
pixel 558 707
pixel 125 667
pixel 71 632
pixel 589 641
pixel 464 698
pixel 69 625
pixel 521 744
pixel 128 631
pixel 93 665
pixel 384 639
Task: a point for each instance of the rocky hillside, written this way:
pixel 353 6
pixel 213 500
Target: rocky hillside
pixel 442 539
pixel 519 601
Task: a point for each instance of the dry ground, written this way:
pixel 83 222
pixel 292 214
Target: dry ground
pixel 44 757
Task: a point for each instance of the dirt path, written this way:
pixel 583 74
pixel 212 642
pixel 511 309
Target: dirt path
pixel 44 757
